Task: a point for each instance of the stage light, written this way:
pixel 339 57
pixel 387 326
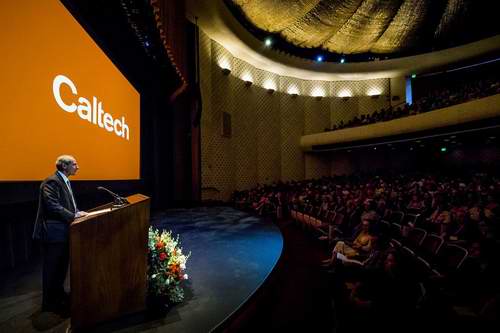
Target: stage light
pixel 247 79
pixel 268 41
pixel 270 86
pixel 345 93
pixel 443 149
pixel 319 58
pixel 293 90
pixel 374 92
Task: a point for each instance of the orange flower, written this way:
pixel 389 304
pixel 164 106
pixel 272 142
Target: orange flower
pixel 175 268
pixel 160 245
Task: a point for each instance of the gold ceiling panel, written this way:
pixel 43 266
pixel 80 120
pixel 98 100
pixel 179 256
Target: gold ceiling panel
pixel 403 29
pixel 275 15
pixel 361 26
pixel 455 9
pixel 321 23
pixel 364 28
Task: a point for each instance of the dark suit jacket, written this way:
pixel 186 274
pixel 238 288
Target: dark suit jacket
pixel 55 211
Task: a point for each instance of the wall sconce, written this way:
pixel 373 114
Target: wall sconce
pixel 318 98
pixel 247 83
pixel 375 96
pixel 345 98
pixel 226 71
pixel 294 95
pixel 270 91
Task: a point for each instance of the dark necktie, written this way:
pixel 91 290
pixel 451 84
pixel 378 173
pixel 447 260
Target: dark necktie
pixel 71 193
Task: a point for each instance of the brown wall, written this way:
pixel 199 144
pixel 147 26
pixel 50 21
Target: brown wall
pixel 266 128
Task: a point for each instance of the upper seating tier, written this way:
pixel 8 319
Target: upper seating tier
pixel 484 108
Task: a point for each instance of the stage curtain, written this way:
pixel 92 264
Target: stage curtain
pixel 171 22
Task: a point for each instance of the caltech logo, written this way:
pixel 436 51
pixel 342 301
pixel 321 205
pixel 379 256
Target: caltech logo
pixel 92 112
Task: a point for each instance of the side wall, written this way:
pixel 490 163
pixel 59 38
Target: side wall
pixel 266 127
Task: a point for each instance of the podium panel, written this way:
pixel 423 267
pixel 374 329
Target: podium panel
pixel 108 252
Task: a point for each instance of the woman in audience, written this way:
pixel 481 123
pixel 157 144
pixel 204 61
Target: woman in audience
pixel 359 248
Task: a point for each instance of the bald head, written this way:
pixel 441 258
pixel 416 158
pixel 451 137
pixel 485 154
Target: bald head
pixel 67 165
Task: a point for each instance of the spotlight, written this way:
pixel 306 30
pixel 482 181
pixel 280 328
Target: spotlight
pixel 268 42
pixel 443 149
pixel 342 60
pixel 319 58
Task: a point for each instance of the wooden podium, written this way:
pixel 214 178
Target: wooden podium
pixel 108 252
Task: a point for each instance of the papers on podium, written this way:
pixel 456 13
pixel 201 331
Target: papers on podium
pixel 89 214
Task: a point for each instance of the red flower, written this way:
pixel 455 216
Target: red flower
pixel 160 245
pixel 163 256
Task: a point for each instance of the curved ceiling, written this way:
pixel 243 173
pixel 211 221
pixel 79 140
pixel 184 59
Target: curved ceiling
pixel 370 26
pixel 216 20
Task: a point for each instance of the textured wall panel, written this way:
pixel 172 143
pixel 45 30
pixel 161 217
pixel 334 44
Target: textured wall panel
pixel 317 166
pixel 292 128
pixel 266 127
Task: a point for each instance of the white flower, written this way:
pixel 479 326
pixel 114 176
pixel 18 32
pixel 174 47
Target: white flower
pixel 183 266
pixel 186 276
pixel 153 276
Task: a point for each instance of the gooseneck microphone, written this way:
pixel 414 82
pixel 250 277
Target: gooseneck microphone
pixel 118 200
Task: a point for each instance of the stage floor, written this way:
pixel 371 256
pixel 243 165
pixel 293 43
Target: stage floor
pixel 232 253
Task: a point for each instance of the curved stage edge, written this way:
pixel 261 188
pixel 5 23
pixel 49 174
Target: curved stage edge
pixel 232 254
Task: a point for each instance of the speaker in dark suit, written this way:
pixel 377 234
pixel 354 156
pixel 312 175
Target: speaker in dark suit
pixel 56 210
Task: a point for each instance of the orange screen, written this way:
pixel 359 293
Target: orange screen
pixel 60 94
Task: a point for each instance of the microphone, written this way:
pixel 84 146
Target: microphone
pixel 118 200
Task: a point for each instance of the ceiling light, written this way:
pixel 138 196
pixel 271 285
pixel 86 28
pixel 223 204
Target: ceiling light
pixel 268 41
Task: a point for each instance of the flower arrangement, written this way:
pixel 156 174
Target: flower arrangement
pixel 167 264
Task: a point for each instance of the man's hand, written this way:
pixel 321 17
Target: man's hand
pixel 81 214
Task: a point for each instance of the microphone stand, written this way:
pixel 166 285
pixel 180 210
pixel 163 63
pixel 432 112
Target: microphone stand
pixel 118 201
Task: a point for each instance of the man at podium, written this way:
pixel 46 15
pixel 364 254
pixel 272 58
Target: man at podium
pixel 56 210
